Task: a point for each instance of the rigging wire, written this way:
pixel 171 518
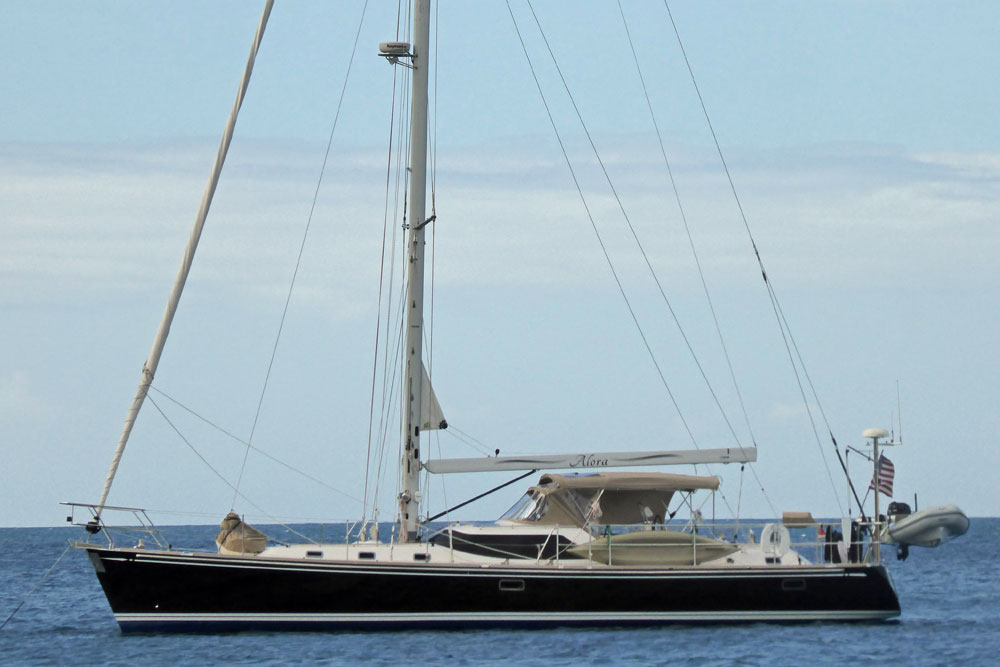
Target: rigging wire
pixel 386 384
pixel 694 252
pixel 782 323
pixel 391 373
pixel 225 481
pixel 302 246
pixel 253 447
pixel 388 399
pixel 183 272
pixel 381 289
pixel 701 275
pixel 469 440
pixel 739 499
pixel 405 180
pixel 590 217
pixel 35 587
pixel 434 116
pixel 626 217
pixel 635 237
pixel 393 396
pixel 324 520
pixel 433 160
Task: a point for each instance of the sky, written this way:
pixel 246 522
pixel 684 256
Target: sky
pixel 860 137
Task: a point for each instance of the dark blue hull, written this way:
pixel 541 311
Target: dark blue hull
pixel 174 591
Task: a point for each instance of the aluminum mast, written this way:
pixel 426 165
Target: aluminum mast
pixel 409 495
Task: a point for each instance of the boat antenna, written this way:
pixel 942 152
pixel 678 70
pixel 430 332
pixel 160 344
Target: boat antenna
pixel 899 413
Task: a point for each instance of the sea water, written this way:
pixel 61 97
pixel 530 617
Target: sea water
pixel 950 598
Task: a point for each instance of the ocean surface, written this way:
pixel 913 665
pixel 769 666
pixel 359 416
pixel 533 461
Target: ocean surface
pixel 950 598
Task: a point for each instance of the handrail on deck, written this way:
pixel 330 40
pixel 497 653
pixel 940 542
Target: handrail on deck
pixel 97 524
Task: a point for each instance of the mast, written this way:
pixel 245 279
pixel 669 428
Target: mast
pixel 409 494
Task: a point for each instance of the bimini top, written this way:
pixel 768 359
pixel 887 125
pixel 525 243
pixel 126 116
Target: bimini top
pixel 604 498
pixel 632 481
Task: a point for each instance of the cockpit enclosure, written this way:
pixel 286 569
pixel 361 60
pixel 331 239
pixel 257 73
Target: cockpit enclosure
pixel 607 498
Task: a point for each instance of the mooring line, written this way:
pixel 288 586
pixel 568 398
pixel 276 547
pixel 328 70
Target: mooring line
pixel 44 577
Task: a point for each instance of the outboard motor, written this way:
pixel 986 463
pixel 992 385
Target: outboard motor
pixel 898 509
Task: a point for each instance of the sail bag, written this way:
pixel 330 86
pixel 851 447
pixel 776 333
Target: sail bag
pixel 236 537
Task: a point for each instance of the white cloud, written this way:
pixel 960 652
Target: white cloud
pixel 17 399
pixel 87 225
pixel 114 219
pixel 788 412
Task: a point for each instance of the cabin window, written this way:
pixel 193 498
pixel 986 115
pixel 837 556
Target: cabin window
pixel 588 505
pixel 531 507
pixel 793 584
pixel 366 555
pixel 314 554
pixel 512 584
pixel 421 556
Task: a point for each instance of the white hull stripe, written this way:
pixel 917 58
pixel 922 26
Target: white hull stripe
pixel 506 570
pixel 505 617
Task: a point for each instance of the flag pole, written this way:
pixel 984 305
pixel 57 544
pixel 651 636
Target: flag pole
pixel 877 533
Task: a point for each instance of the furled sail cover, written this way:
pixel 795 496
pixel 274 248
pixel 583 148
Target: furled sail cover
pixel 236 537
pixel 431 417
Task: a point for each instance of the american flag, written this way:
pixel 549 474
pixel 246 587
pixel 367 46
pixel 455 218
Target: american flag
pixel 886 473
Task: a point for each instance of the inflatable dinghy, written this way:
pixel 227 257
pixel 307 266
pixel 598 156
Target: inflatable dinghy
pixel 929 527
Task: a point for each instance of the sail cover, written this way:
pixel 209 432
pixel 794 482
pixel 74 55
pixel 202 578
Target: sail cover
pixel 237 537
pixel 431 416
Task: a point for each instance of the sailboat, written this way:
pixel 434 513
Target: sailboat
pixel 585 547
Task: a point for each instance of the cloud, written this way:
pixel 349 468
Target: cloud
pixel 788 412
pixel 113 219
pixel 90 225
pixel 17 399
